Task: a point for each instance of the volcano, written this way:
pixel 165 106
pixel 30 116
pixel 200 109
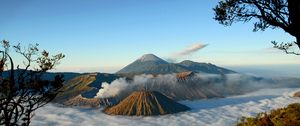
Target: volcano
pixel 146 103
pixel 151 64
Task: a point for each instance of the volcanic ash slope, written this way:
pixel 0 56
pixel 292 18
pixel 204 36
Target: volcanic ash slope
pixel 146 103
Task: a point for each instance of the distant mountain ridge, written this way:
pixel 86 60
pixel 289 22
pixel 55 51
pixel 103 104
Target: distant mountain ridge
pixel 151 64
pixel 204 67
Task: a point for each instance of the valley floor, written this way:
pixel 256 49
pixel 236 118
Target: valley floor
pixel 212 112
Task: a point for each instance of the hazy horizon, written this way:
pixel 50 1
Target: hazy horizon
pixel 264 70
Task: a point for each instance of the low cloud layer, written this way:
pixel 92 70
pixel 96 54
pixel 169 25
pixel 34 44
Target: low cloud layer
pixel 215 112
pixel 198 86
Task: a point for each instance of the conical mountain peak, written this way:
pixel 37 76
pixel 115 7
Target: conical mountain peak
pixel 146 103
pixel 150 57
pixel 151 64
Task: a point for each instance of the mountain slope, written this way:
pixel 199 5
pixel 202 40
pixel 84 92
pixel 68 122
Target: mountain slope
pixel 86 85
pixel 88 102
pixel 151 57
pixel 150 68
pixel 146 64
pixel 146 103
pixel 204 67
pixel 151 64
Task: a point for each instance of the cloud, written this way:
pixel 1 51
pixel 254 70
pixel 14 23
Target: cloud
pixel 198 86
pixel 191 49
pixel 213 112
pixel 187 51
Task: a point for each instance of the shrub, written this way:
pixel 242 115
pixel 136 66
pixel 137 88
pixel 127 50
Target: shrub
pixel 288 116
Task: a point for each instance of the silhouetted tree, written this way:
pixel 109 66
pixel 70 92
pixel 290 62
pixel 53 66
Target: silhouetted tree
pixel 284 14
pixel 22 91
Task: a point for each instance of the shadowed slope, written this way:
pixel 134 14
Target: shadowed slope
pixel 86 85
pixel 204 67
pixel 89 102
pixel 151 64
pixel 76 86
pixel 146 103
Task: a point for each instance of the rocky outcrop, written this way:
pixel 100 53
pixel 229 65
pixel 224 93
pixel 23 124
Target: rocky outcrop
pixel 89 102
pixel 184 75
pixel 297 94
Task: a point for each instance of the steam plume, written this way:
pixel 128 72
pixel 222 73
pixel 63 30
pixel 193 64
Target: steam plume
pixel 198 86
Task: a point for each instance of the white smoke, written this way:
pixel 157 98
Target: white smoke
pixel 187 51
pixel 197 86
pixel 113 89
pixel 118 85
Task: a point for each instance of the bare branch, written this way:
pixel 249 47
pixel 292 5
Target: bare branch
pixel 284 47
pixel 20 98
pixel 282 14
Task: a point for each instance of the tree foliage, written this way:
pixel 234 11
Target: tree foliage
pixel 282 14
pixel 23 90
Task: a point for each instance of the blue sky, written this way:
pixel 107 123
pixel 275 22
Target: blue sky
pixel 106 35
